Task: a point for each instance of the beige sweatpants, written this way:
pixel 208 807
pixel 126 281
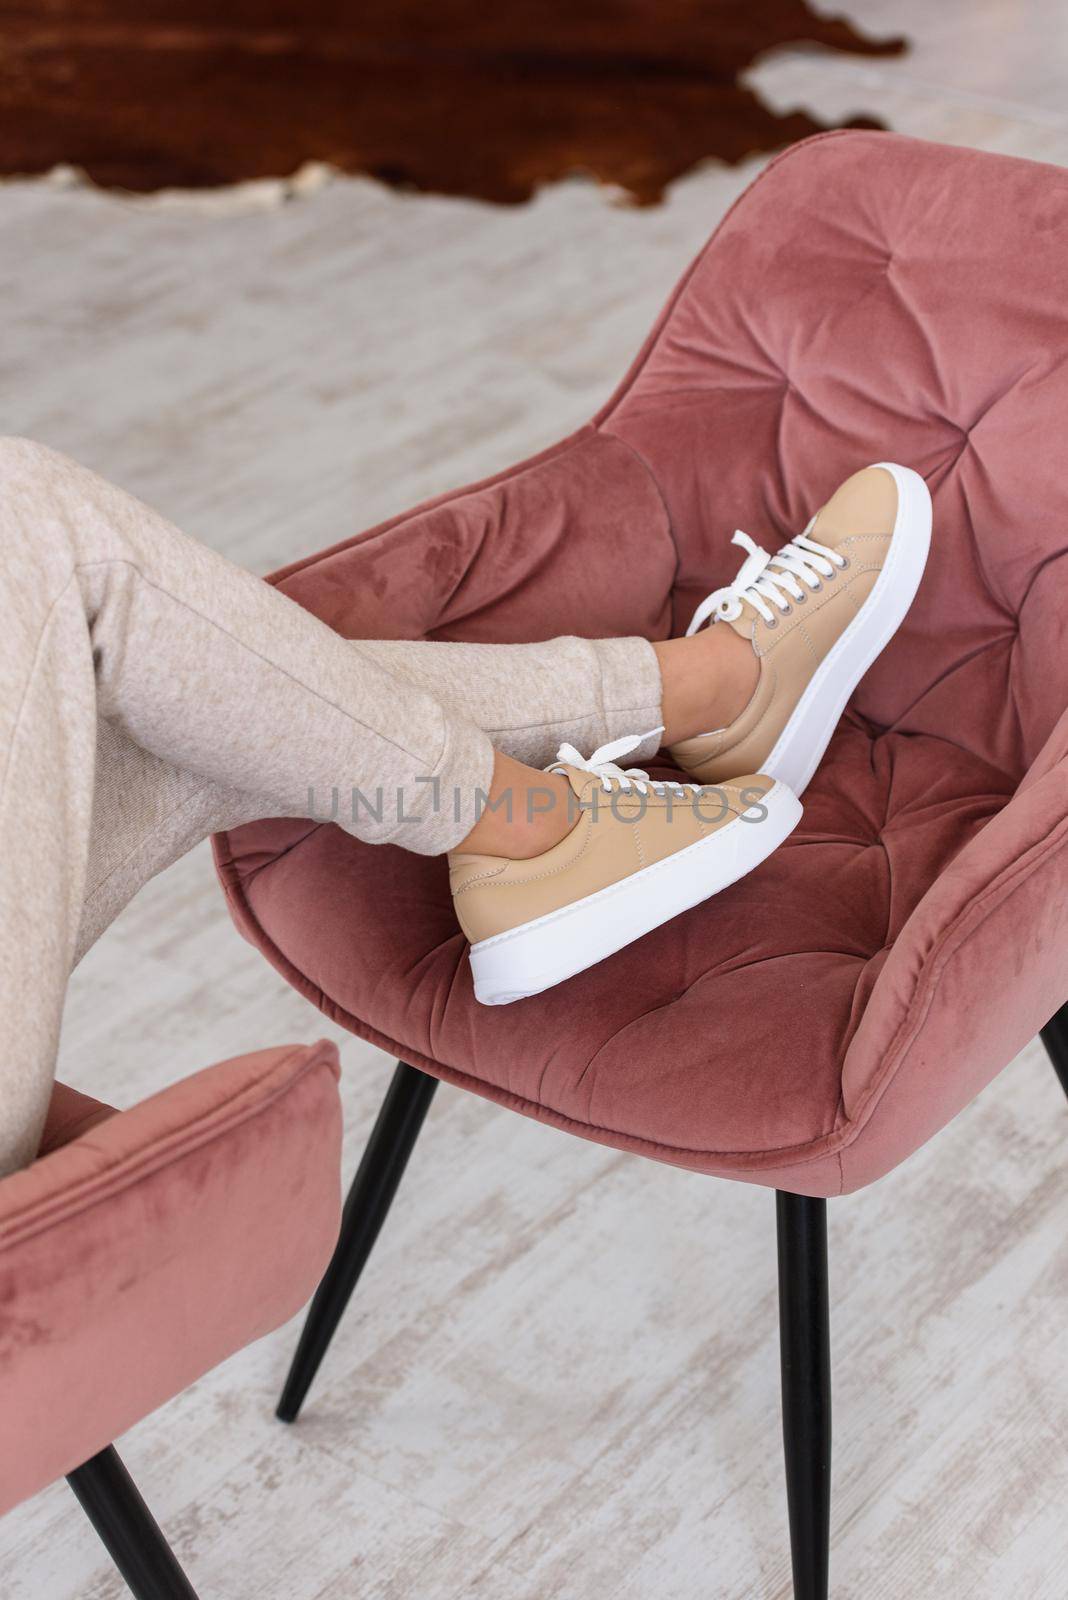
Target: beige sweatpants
pixel 151 693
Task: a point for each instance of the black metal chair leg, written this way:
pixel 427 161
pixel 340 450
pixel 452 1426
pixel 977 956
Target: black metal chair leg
pixel 804 1337
pixel 373 1188
pixel 1055 1038
pixel 110 1499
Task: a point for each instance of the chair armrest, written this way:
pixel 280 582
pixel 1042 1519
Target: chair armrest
pixel 155 1244
pixel 979 967
pixel 519 556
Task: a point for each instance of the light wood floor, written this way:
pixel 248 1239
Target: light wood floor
pixel 560 1375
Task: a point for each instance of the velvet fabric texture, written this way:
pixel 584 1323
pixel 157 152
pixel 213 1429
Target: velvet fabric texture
pixel 870 297
pixel 147 1246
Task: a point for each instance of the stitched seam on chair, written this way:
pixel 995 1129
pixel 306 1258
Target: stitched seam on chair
pixel 144 1163
pixel 655 481
pixel 952 939
pixel 140 1164
pixel 753 1159
pixel 254 872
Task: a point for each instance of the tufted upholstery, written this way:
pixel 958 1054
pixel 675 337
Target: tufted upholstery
pixel 869 297
pixel 143 1247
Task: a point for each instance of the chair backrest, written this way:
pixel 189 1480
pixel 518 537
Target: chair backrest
pixel 873 297
pixel 870 297
pixel 153 1244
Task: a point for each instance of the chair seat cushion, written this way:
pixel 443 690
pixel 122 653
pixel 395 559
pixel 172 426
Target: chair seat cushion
pixel 717 1042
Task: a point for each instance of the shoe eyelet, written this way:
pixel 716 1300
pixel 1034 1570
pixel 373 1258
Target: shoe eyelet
pixel 786 610
pixel 815 587
pixel 774 623
pixel 846 564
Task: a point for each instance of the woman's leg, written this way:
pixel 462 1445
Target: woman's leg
pixel 531 698
pixel 47 739
pixel 150 692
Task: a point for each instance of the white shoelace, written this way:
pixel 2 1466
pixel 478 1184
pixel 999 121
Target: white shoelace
pixel 602 764
pixel 803 560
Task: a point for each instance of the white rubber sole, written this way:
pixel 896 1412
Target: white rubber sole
pixel 533 957
pixel 807 734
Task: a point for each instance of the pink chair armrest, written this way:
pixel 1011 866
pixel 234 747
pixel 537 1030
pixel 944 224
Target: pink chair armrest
pixel 979 967
pixel 155 1244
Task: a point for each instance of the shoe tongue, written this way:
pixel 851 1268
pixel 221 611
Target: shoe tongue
pixel 579 779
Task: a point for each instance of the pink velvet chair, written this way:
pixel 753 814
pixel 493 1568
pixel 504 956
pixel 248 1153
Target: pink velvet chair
pixel 140 1250
pixel 868 297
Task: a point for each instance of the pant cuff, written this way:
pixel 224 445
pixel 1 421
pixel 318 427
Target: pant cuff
pixel 443 807
pixel 631 692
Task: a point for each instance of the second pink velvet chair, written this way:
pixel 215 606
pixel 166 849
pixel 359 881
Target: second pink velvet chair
pixel 868 298
pixel 141 1249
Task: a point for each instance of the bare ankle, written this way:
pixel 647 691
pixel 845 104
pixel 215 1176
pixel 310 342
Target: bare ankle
pixel 707 680
pixel 528 812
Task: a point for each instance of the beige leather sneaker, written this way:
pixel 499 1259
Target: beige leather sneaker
pixel 640 852
pixel 818 614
